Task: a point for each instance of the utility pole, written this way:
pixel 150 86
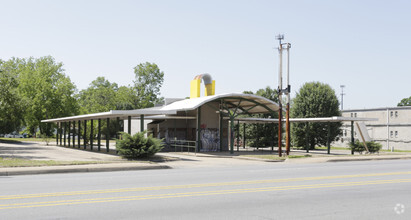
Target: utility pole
pixel 342 96
pixel 281 91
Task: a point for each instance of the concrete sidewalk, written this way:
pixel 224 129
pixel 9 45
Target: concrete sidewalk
pixel 40 151
pixel 111 162
pixel 11 171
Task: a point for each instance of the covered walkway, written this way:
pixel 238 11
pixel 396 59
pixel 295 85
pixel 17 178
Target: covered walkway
pixel 209 112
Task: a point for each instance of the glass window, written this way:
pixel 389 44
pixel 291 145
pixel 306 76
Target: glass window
pixel 355 115
pixel 391 134
pixel 391 113
pixel 396 114
pixel 352 115
pixel 396 134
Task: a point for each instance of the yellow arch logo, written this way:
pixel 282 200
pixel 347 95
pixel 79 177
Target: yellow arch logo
pixel 195 85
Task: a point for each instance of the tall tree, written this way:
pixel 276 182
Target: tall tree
pixel 125 96
pixel 261 135
pixel 315 99
pixel 46 91
pixel 100 96
pixel 103 96
pixel 11 109
pixel 405 102
pixel 147 84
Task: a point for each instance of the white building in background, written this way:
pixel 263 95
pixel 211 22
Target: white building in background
pixel 392 129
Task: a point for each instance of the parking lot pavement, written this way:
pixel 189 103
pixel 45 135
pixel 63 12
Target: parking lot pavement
pixel 41 151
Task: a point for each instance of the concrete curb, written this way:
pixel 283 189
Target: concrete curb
pixel 78 169
pixel 365 158
pixel 347 159
pixel 328 159
pixel 258 159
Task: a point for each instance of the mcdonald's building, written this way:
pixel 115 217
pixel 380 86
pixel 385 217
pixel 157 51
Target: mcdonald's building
pixel 198 124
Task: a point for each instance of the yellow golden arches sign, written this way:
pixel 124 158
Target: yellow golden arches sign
pixel 195 85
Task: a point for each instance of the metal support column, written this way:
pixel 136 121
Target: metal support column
pixel 244 135
pixel 61 133
pixel 117 127
pixel 108 135
pixel 79 134
pixel 352 135
pixel 328 138
pixel 99 134
pixel 198 136
pixel 57 135
pixel 221 131
pixel 85 134
pixel 69 131
pixel 91 134
pixel 231 134
pixel 129 124
pixel 238 135
pixel 74 133
pixel 65 128
pixel 307 141
pixel 142 123
pixel 175 130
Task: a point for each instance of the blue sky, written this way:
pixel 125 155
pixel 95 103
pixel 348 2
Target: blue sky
pixel 364 45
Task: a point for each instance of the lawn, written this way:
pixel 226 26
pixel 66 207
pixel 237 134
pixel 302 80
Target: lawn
pixel 51 140
pixel 17 162
pixel 13 140
pixel 275 157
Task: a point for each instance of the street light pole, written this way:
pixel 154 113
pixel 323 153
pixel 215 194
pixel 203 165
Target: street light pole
pixel 282 91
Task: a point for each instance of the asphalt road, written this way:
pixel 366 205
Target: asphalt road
pixel 346 190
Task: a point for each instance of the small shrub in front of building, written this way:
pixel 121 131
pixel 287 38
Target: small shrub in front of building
pixel 372 146
pixel 138 146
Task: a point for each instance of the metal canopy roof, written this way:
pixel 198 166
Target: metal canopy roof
pixel 240 102
pixel 122 114
pixel 253 104
pixel 302 120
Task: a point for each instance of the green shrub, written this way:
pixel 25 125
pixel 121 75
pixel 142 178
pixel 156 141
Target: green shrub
pixel 359 146
pixel 138 146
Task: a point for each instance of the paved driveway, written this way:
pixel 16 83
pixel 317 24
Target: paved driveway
pixel 40 151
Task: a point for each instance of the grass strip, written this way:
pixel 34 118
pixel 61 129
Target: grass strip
pixel 274 157
pixel 269 157
pixel 18 162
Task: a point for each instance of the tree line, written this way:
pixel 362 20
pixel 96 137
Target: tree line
pixel 34 89
pixel 313 100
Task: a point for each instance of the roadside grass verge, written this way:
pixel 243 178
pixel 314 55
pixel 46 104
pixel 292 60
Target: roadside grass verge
pixel 400 151
pixel 18 162
pixel 299 156
pixel 267 157
pixel 349 149
pixel 333 148
pixel 51 140
pixel 10 140
pixel 274 157
pixel 19 140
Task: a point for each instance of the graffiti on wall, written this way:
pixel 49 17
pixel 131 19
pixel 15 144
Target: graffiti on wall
pixel 210 140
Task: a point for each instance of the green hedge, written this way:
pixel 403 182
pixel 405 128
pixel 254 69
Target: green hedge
pixel 358 146
pixel 138 146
